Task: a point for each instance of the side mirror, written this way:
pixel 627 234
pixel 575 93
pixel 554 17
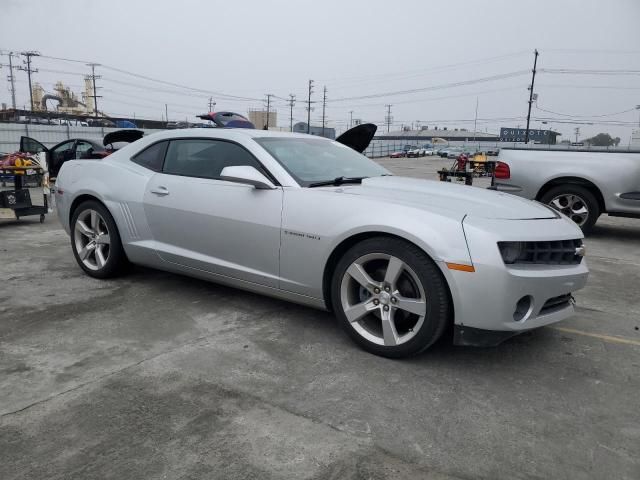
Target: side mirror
pixel 246 175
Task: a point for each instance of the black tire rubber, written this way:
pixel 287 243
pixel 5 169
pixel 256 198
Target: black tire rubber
pixel 586 195
pixel 117 261
pixel 433 283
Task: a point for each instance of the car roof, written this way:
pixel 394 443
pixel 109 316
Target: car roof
pixel 226 133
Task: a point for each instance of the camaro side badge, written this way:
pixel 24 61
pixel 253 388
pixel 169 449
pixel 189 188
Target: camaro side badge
pixel 302 235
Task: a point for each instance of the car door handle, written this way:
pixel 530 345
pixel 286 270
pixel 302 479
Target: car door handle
pixel 162 191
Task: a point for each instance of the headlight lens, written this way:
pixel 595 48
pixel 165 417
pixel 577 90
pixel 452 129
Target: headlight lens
pixel 511 251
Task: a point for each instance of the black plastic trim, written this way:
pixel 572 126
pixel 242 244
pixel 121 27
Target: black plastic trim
pixel 630 196
pixel 478 337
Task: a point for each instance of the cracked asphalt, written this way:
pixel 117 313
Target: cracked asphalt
pixel 158 376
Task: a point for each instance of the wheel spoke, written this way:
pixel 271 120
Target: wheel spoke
pixel 100 260
pixel 356 312
pixel 389 333
pixel 412 305
pixel 103 239
pixel 94 220
pixel 82 228
pixel 86 250
pixel 394 269
pixel 357 272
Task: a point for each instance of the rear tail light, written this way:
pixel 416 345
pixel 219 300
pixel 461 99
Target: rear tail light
pixel 502 171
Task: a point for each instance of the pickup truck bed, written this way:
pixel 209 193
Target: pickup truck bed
pixel 581 184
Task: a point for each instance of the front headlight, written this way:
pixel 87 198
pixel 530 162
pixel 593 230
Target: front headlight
pixel 511 251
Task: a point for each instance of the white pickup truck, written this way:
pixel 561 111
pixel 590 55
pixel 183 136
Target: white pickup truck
pixel 581 184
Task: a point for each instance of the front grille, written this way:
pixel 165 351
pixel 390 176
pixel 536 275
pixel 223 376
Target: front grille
pixel 555 252
pixel 556 303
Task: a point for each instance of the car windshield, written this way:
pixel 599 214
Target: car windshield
pixel 312 160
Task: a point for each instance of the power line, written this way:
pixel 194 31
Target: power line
pixel 438 87
pixel 577 71
pixel 586 116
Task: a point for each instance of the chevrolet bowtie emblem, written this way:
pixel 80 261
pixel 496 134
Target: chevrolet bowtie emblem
pixel 581 251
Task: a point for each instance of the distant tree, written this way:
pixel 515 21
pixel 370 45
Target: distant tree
pixel 602 140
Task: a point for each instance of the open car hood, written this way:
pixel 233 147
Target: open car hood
pixel 358 137
pixel 228 119
pixel 128 136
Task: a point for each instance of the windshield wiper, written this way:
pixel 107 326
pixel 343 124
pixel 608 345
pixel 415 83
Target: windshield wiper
pixel 337 181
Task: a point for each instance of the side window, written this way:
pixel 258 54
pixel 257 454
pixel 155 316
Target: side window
pixel 205 158
pixel 152 157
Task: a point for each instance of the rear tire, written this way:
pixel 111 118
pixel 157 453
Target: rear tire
pixel 390 297
pixel 576 202
pixel 95 241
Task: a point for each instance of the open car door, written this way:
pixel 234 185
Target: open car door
pixel 29 145
pixel 358 137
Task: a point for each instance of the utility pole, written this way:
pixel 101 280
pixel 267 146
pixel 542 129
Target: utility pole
pixel 11 79
pixel 95 96
pixel 212 104
pixel 475 122
pixel 292 102
pixel 388 118
pixel 166 113
pixel 577 132
pixel 269 95
pixel 533 79
pixel 28 55
pixel 637 108
pixel 324 106
pixel 309 107
pixel 351 119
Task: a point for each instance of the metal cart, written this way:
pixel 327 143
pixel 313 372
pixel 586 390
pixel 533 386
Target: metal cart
pixel 17 202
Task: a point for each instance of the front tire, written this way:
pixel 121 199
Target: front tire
pixel 95 241
pixel 390 297
pixel 576 202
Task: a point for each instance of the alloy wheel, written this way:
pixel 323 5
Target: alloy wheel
pixel 383 299
pixel 92 240
pixel 573 206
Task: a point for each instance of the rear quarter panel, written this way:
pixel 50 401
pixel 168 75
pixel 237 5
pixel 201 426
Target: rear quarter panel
pixel 613 173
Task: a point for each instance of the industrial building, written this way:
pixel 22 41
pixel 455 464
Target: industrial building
pixel 426 134
pixel 259 118
pixel 328 132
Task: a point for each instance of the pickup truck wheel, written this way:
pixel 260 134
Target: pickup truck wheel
pixel 576 202
pixel 390 297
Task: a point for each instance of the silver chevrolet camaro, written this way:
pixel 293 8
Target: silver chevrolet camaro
pixel 313 221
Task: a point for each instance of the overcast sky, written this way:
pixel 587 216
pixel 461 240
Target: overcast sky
pixel 369 48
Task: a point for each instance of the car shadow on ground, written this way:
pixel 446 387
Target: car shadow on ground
pixel 519 349
pixel 616 232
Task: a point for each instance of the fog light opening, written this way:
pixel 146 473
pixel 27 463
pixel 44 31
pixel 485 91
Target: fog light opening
pixel 523 308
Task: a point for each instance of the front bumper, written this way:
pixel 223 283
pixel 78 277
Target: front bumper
pixel 487 299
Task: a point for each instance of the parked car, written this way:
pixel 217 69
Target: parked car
pixel 415 152
pixel 398 154
pixel 255 209
pixel 580 184
pixel 454 152
pixel 63 151
pixel 78 148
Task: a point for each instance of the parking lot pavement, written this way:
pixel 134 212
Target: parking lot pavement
pixel 155 375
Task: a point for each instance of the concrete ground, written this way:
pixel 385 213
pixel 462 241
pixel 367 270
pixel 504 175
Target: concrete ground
pixel 158 376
